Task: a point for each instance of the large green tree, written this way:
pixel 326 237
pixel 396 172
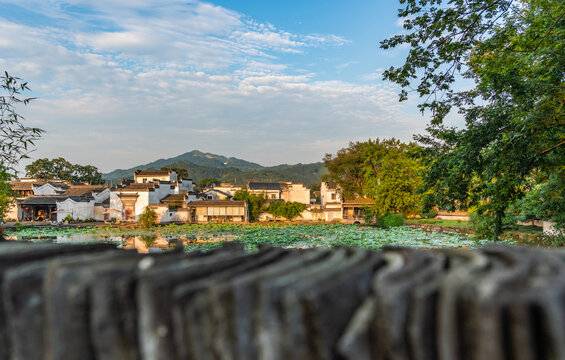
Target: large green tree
pixel 513 52
pixel 386 170
pixel 59 168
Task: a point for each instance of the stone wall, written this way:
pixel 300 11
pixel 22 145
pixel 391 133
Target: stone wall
pixel 96 302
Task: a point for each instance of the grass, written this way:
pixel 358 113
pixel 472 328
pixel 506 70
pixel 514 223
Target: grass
pixel 439 222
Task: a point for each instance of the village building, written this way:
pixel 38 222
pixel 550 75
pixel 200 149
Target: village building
pixel 330 198
pixel 56 201
pixel 227 188
pixel 282 190
pixel 129 198
pixel 215 194
pixel 353 211
pixel 144 176
pixel 219 211
pixel 269 190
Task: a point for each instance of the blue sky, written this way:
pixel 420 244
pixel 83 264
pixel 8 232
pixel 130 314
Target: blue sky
pixel 125 82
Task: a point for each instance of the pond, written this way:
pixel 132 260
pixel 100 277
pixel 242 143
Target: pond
pixel 205 236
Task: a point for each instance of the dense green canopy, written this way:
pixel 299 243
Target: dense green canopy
pixel 514 53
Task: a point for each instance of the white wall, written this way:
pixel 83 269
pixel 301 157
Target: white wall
pixel 78 210
pixel 46 189
pixel 116 204
pixel 101 196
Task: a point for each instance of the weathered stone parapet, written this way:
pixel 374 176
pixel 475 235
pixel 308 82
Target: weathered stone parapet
pixel 98 302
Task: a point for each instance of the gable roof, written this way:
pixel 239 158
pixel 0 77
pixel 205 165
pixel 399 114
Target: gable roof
pixel 83 190
pixel 152 172
pixel 136 187
pixel 43 200
pixel 173 198
pixel 264 186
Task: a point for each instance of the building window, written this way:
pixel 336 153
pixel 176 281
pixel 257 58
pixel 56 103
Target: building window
pixel 273 196
pixel 333 196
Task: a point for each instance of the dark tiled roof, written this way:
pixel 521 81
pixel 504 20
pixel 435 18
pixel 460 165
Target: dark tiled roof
pixel 43 200
pixel 264 186
pixel 151 172
pixel 83 190
pixel 23 185
pixel 216 203
pixel 221 192
pixel 137 187
pixel 174 197
pixel 57 184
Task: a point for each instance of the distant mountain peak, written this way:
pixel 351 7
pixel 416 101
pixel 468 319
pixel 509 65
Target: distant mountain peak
pixel 201 165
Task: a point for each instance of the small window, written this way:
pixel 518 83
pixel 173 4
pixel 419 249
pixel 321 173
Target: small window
pixel 333 196
pixel 273 196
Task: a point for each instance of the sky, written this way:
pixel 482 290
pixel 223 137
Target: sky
pixel 125 82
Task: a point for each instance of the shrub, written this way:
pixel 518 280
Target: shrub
pixel 430 214
pixel 288 210
pixel 483 224
pixel 148 218
pixel 390 220
pixel 68 218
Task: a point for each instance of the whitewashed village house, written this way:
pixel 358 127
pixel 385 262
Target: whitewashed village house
pixel 227 188
pixel 330 197
pixel 55 200
pixel 129 199
pixel 282 190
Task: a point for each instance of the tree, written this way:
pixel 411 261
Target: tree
pixel 385 170
pixel 148 218
pixel 288 210
pixel 16 139
pixel 7 197
pixel 87 173
pixel 514 52
pixel 60 168
pixel 346 168
pixel 206 182
pixel 181 172
pixel 256 203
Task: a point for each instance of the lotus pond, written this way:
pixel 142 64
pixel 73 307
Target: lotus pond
pixel 204 236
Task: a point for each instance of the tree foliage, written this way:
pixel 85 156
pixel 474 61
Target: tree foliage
pixel 206 182
pixel 385 170
pixel 16 139
pixel 7 197
pixel 256 203
pixel 514 53
pixel 181 172
pixel 148 218
pixel 60 168
pixel 288 210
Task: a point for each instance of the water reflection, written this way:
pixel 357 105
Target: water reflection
pixel 140 243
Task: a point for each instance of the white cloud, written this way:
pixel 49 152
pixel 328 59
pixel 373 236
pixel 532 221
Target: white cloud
pixel 173 76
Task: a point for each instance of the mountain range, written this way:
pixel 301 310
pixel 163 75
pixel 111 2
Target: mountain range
pixel 201 165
